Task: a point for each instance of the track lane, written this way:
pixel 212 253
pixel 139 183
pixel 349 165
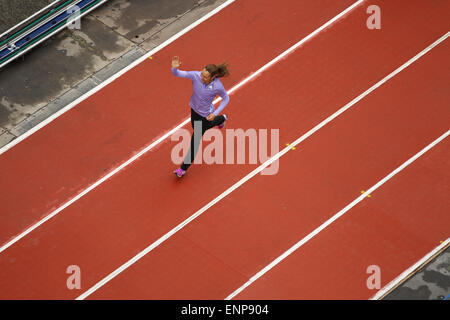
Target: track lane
pixel 401 222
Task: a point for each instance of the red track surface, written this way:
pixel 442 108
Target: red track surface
pixel 49 168
pixel 241 234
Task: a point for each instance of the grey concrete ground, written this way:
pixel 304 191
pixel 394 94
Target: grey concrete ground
pixel 72 62
pixel 14 11
pixel 431 282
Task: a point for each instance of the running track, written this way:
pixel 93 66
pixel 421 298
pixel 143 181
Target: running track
pixel 234 239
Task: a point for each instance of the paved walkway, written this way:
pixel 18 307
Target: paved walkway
pixel 431 282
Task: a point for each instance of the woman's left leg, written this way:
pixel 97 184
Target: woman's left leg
pixel 216 122
pixel 200 126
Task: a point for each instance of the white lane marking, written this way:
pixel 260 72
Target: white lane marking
pixel 167 135
pixel 263 271
pixel 112 78
pixel 409 271
pixel 252 174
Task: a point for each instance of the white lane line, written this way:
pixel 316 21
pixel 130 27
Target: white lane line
pixel 263 271
pixel 112 78
pixel 165 136
pixel 394 283
pixel 253 173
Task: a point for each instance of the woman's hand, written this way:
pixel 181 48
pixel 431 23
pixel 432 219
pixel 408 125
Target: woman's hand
pixel 211 117
pixel 176 63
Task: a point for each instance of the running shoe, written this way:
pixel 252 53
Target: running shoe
pixel 179 172
pixel 220 126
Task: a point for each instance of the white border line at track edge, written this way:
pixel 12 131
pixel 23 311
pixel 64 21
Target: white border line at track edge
pixel 394 283
pixel 267 163
pixel 112 78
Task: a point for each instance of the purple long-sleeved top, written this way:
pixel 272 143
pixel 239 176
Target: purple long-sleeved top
pixel 203 95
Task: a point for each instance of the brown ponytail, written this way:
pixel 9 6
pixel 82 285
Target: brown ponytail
pixel 219 71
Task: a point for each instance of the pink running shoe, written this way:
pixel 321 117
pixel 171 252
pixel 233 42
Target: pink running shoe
pixel 220 126
pixel 179 172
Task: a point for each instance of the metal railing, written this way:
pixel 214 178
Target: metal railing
pixel 40 26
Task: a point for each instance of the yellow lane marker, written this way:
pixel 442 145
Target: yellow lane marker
pixel 287 144
pixel 368 196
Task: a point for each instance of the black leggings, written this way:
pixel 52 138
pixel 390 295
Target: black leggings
pixel 197 135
